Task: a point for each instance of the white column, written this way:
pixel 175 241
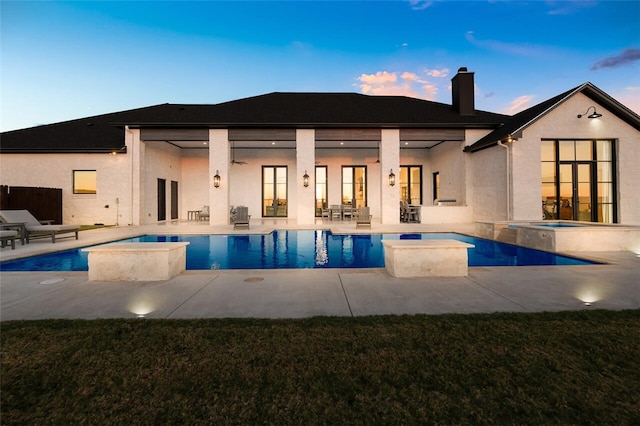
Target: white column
pixel 219 163
pixel 136 151
pixel 390 160
pixel 305 162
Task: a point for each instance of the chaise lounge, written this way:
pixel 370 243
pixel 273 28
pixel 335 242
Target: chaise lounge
pixel 34 228
pixel 8 237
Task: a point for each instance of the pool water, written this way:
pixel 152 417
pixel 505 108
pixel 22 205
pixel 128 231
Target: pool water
pixel 299 249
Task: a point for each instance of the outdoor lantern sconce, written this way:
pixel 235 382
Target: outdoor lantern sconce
pixel 305 179
pixel 216 179
pixel 392 178
pixel 594 115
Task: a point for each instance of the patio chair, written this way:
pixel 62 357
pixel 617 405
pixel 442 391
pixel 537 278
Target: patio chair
pixel 404 211
pixel 347 211
pixel 242 217
pixel 336 212
pixel 204 213
pixel 34 228
pixel 325 212
pixel 363 218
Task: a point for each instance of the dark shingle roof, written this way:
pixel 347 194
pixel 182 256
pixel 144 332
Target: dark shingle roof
pixel 104 133
pixel 517 123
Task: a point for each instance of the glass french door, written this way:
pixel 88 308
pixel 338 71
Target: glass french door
pixel 410 184
pixel 578 180
pixel 576 200
pixel 354 186
pixel 321 190
pixel 274 191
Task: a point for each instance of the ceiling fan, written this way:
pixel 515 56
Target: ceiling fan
pixel 378 159
pixel 233 156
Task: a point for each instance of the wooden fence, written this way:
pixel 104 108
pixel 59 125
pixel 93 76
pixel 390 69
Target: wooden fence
pixel 43 203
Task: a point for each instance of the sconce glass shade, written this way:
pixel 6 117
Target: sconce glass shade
pixel 595 113
pixel 305 179
pixel 216 179
pixel 392 178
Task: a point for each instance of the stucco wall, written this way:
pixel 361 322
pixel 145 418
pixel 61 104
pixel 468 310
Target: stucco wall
pixel 488 183
pixel 163 161
pixel 448 159
pixel 562 123
pixel 56 171
pixel 195 182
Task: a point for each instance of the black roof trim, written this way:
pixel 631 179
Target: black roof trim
pixel 104 133
pixel 522 120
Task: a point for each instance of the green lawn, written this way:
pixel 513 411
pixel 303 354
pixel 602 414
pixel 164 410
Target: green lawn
pixel 548 368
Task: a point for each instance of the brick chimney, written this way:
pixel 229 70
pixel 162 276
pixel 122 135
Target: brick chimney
pixel 462 92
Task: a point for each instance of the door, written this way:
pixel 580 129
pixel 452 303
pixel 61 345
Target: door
pixel 576 191
pixel 274 191
pixel 162 199
pixel 174 199
pixel 321 190
pixel 354 186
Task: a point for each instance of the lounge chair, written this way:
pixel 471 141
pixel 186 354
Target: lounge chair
pixel 8 236
pixel 242 217
pixel 363 218
pixel 35 228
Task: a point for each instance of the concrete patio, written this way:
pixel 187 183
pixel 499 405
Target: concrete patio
pixel 311 292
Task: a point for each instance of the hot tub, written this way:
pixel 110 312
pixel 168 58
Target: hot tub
pixel 564 235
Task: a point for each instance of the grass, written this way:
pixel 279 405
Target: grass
pixel 544 368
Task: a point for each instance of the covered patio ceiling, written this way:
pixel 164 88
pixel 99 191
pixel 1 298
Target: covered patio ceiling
pixel 292 144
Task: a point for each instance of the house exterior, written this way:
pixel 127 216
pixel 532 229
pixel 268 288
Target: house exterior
pixel 288 155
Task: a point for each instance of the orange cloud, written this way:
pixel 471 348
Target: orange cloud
pixel 518 104
pixel 397 84
pixel 438 73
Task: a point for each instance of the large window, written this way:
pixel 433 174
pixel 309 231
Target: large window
pixel 85 182
pixel 354 186
pixel 274 191
pixel 321 189
pixel 578 180
pixel 411 184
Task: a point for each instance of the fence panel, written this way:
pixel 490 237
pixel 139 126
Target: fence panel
pixel 43 203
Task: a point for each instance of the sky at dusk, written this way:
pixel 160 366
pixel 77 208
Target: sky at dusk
pixel 66 60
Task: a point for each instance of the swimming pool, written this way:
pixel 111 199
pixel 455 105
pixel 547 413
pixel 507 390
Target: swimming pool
pixel 299 249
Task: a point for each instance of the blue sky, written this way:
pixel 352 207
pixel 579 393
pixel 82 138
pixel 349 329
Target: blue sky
pixel 67 60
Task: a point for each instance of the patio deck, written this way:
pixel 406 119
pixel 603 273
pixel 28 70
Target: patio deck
pixel 311 292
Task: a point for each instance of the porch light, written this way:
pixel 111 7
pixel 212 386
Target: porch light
pixel 392 178
pixel 122 149
pixel 305 179
pixel 593 115
pixel 216 179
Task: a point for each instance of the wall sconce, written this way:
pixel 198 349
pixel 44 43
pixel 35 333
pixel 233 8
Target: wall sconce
pixel 305 179
pixel 594 115
pixel 392 178
pixel 216 179
pixel 123 149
